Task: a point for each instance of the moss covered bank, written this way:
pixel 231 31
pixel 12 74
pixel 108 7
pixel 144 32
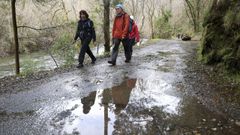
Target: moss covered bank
pixel 221 36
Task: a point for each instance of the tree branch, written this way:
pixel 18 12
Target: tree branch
pixel 40 29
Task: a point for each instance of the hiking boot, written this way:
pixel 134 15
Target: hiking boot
pixel 113 63
pixel 79 65
pixel 93 61
pixel 127 61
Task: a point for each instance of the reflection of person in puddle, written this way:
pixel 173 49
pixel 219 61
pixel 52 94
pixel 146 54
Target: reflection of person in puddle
pixel 88 101
pixel 121 94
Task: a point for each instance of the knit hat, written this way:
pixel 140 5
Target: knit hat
pixel 119 6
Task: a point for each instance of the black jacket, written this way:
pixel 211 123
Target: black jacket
pixel 85 30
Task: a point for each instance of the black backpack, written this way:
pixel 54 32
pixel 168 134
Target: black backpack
pixel 130 25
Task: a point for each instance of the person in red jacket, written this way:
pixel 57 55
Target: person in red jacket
pixel 120 33
pixel 133 35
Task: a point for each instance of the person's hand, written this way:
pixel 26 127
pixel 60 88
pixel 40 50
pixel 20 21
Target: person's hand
pixel 136 40
pixel 112 42
pixel 94 43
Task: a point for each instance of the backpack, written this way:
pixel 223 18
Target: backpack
pixel 86 30
pixel 130 25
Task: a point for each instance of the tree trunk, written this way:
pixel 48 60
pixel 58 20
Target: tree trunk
pixel 152 28
pixel 134 8
pixel 199 5
pixel 143 15
pixel 13 4
pixel 151 15
pixel 194 9
pixel 106 25
pixel 192 14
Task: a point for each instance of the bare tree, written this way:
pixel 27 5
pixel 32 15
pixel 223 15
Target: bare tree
pixel 106 25
pixel 133 7
pixel 194 10
pixel 151 9
pixel 13 5
pixel 192 14
pixel 15 31
pixel 142 5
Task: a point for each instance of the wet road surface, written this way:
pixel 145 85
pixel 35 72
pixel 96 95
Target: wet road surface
pixel 144 97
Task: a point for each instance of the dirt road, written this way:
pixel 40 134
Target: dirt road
pixel 154 94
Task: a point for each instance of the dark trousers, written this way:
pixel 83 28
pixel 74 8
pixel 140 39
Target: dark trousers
pixel 131 44
pixel 125 43
pixel 85 49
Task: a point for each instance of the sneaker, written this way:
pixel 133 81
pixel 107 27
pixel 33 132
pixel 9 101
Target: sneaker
pixel 79 65
pixel 113 63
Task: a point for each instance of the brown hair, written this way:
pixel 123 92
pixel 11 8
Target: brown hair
pixel 84 12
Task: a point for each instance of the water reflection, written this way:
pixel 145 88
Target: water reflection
pixel 137 107
pixel 98 110
pixel 119 95
pixel 134 103
pixel 88 102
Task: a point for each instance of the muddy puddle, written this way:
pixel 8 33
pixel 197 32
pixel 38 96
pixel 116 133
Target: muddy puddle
pixel 140 107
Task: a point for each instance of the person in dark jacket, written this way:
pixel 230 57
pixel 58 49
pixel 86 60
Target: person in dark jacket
pixel 86 33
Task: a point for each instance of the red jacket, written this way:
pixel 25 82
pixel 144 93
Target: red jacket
pixel 121 26
pixel 134 33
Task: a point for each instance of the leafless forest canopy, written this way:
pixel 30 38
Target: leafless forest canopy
pixel 42 23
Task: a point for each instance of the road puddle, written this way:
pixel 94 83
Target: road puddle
pixel 138 106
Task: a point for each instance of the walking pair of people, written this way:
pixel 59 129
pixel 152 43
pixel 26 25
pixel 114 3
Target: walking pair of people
pixel 124 30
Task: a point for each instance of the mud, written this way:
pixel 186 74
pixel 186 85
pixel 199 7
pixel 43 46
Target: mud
pixel 162 91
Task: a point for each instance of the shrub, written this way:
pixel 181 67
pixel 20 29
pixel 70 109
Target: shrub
pixel 28 67
pixel 64 49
